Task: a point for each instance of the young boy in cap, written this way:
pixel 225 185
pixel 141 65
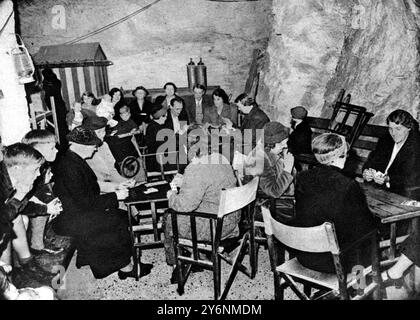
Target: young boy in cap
pixel 301 137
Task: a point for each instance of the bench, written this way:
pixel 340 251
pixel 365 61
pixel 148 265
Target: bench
pixel 361 148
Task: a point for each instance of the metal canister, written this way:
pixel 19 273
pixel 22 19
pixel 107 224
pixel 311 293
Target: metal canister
pixel 191 74
pixel 201 73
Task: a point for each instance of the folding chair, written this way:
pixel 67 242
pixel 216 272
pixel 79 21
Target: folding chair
pixel 231 200
pixel 318 239
pixel 163 173
pixel 348 119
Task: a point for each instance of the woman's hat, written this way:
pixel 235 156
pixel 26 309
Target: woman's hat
pixel 94 122
pixel 275 132
pixel 299 112
pixel 82 135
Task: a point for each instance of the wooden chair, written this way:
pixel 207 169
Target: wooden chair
pixel 317 239
pixel 348 119
pixel 231 200
pixel 162 174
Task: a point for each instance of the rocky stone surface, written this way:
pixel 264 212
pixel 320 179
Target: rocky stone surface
pixel 154 46
pixel 303 51
pixel 380 59
pixel 369 48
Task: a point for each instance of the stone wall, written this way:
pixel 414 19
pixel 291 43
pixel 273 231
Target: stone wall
pixel 370 48
pixel 303 51
pixel 154 46
pixel 379 64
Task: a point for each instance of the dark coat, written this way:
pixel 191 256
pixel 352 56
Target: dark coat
pixel 254 120
pixel 190 106
pixel 140 115
pixel 300 139
pixel 210 115
pixel 404 172
pixel 183 118
pixel 325 194
pixel 93 219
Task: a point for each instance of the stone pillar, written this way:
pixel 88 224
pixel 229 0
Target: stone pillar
pixel 14 118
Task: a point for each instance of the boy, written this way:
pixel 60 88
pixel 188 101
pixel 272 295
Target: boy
pixel 44 142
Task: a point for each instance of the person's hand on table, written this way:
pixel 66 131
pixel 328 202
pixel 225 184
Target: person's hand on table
pixel 380 178
pixel 129 183
pixel 169 193
pixel 368 174
pixel 122 193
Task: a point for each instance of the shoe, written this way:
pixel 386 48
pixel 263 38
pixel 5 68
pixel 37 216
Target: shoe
pixel 46 251
pixel 145 269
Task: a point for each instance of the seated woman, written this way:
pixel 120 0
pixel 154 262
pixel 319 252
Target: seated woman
pixel 117 101
pixel 89 104
pixel 204 177
pixel 159 115
pixel 221 113
pixel 103 161
pixel 170 93
pixel 395 162
pixel 325 194
pixel 140 107
pixel 100 230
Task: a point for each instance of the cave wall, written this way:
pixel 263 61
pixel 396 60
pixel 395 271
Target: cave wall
pixel 14 118
pixel 368 47
pixel 379 64
pixel 154 46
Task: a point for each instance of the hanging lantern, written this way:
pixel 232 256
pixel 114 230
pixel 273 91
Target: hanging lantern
pixel 23 63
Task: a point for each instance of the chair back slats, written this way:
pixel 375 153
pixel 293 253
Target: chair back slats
pixel 237 198
pixel 313 239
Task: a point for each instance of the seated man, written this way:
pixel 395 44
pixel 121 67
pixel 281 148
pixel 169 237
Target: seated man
pixel 177 118
pixel 196 104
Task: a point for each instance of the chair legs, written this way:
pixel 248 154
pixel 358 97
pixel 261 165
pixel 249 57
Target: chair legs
pixel 235 266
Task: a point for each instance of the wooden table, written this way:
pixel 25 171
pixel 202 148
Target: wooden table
pixel 138 197
pixel 388 208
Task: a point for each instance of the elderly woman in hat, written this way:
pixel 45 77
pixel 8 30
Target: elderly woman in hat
pixel 323 194
pixel 100 230
pixel 103 162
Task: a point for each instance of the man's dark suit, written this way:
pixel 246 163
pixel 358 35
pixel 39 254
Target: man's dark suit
pixel 190 106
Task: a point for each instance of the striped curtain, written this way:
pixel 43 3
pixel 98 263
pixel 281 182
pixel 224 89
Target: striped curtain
pixel 74 81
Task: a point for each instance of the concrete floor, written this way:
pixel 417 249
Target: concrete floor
pixel 81 285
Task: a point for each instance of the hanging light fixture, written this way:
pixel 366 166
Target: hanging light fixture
pixel 23 62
